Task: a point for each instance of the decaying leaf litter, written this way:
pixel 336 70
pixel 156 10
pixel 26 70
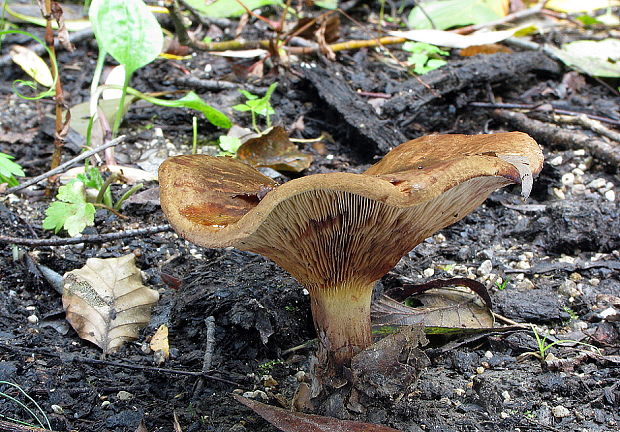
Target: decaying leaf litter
pixel 539 259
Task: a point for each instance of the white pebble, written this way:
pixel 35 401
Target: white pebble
pixel 578 172
pixel 485 268
pixel 580 152
pixel 598 183
pixel 610 195
pixel 124 395
pixel 105 404
pixel 559 193
pixel 428 272
pixel 568 179
pixel 479 370
pixel 488 354
pixel 579 188
pixel 57 409
pixel 33 319
pixel 506 396
pixel 556 161
pixel 560 411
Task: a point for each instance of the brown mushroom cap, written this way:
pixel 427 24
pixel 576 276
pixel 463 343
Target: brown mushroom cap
pixel 327 229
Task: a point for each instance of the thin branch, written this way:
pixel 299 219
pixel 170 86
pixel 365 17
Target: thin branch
pixel 91 238
pixel 86 360
pixel 63 167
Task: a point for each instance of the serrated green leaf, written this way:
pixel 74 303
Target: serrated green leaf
pixel 71 211
pixel 127 30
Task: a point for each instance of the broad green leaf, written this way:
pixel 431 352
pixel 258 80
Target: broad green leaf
pixel 71 211
pixel 126 30
pixel 193 101
pixel 596 58
pixel 229 144
pixel 228 8
pixel 446 14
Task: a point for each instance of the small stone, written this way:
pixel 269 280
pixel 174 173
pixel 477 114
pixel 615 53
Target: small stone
pixel 57 409
pixel 300 376
pixel 259 394
pixel 569 289
pixel 33 319
pixel 124 395
pixel 506 396
pixel 480 370
pixel 579 188
pixel 560 411
pixel 440 238
pixel 485 268
pixel 556 161
pixel 568 179
pixel 429 272
pixel 559 193
pixel 580 152
pixel 269 381
pixel 31 308
pixel 523 265
pixel 610 195
pixel 488 355
pixel 578 171
pixel 248 394
pixel 459 391
pixel 504 415
pixel 598 183
pixel 575 277
pixel 594 281
pixel 105 404
pixel 525 285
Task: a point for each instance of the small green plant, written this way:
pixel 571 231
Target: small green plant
pixel 571 313
pixel 40 417
pixel 267 366
pixel 74 211
pixel 424 57
pixel 258 106
pixel 9 170
pixel 502 286
pixel 543 346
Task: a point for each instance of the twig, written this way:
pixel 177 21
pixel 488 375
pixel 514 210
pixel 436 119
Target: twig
pixel 87 360
pixel 216 85
pixel 94 238
pixel 62 167
pixel 593 125
pixel 559 137
pixel 540 108
pixel 209 349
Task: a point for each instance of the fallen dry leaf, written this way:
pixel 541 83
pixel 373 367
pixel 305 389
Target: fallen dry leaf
pixel 289 421
pixel 274 150
pixel 32 64
pixel 106 303
pixel 159 341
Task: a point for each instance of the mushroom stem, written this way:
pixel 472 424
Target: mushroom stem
pixel 342 321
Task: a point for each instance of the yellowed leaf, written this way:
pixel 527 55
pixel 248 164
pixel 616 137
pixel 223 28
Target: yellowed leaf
pixel 106 302
pixel 32 64
pixel 159 341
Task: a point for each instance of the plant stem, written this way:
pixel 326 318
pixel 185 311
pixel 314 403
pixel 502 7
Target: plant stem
pixel 126 195
pixel 121 105
pixel 97 74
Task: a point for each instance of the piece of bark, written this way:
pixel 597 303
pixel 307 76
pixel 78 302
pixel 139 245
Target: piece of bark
pixel 458 75
pixel 562 138
pixel 328 79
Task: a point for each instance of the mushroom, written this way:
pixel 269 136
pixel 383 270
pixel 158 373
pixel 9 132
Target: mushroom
pixel 339 233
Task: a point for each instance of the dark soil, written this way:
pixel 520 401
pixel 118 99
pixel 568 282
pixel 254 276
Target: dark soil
pixel 559 251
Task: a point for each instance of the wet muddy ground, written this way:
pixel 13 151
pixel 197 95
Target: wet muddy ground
pixel 558 252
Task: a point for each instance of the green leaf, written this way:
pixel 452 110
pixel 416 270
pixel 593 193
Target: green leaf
pixel 596 58
pixel 229 144
pixel 9 170
pixel 327 4
pixel 228 8
pixel 127 30
pixel 446 14
pixel 248 95
pixel 242 107
pixel 193 101
pixel 71 211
